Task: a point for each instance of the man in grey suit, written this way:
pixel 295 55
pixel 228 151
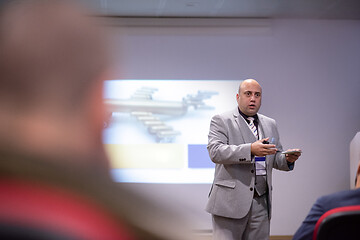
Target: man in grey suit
pixel 240 197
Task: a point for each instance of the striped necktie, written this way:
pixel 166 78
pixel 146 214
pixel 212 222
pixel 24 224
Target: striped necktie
pixel 253 127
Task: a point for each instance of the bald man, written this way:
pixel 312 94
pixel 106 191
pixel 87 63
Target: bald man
pixel 245 147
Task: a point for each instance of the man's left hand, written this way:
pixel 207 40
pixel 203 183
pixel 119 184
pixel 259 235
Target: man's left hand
pixel 292 157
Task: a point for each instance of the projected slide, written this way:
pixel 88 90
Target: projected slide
pixel 156 130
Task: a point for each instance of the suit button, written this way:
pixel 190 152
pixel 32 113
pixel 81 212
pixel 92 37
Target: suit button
pixel 252 171
pixel 251 189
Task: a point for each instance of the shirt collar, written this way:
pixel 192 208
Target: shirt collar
pixel 256 118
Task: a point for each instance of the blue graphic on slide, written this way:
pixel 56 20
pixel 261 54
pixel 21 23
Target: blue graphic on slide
pixel 198 156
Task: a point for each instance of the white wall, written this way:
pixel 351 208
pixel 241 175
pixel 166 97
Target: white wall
pixel 310 74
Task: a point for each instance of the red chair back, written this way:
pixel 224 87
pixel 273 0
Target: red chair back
pixel 339 223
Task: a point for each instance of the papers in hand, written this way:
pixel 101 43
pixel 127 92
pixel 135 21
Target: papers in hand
pixel 291 152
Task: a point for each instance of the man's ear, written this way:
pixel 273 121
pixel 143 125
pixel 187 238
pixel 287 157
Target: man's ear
pixel 357 182
pixel 97 109
pixel 96 115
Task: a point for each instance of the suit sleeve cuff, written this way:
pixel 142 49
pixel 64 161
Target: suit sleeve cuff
pixel 290 165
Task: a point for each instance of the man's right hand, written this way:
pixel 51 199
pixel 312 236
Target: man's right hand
pixel 260 149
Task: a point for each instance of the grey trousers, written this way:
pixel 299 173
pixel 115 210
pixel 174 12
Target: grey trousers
pixel 254 226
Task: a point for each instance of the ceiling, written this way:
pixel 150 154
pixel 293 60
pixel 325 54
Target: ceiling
pixel 298 9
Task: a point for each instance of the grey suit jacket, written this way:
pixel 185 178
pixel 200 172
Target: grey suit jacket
pixel 229 144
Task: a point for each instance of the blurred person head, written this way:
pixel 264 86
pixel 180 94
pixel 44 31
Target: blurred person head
pixel 52 63
pixel 249 97
pixel 53 60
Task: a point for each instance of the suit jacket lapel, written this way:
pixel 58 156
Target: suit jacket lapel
pixel 266 131
pixel 264 127
pixel 247 135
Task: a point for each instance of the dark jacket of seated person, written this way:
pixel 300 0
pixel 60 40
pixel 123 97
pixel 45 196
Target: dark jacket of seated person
pixel 324 204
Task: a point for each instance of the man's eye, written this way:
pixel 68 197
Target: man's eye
pixel 248 94
pixel 257 94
